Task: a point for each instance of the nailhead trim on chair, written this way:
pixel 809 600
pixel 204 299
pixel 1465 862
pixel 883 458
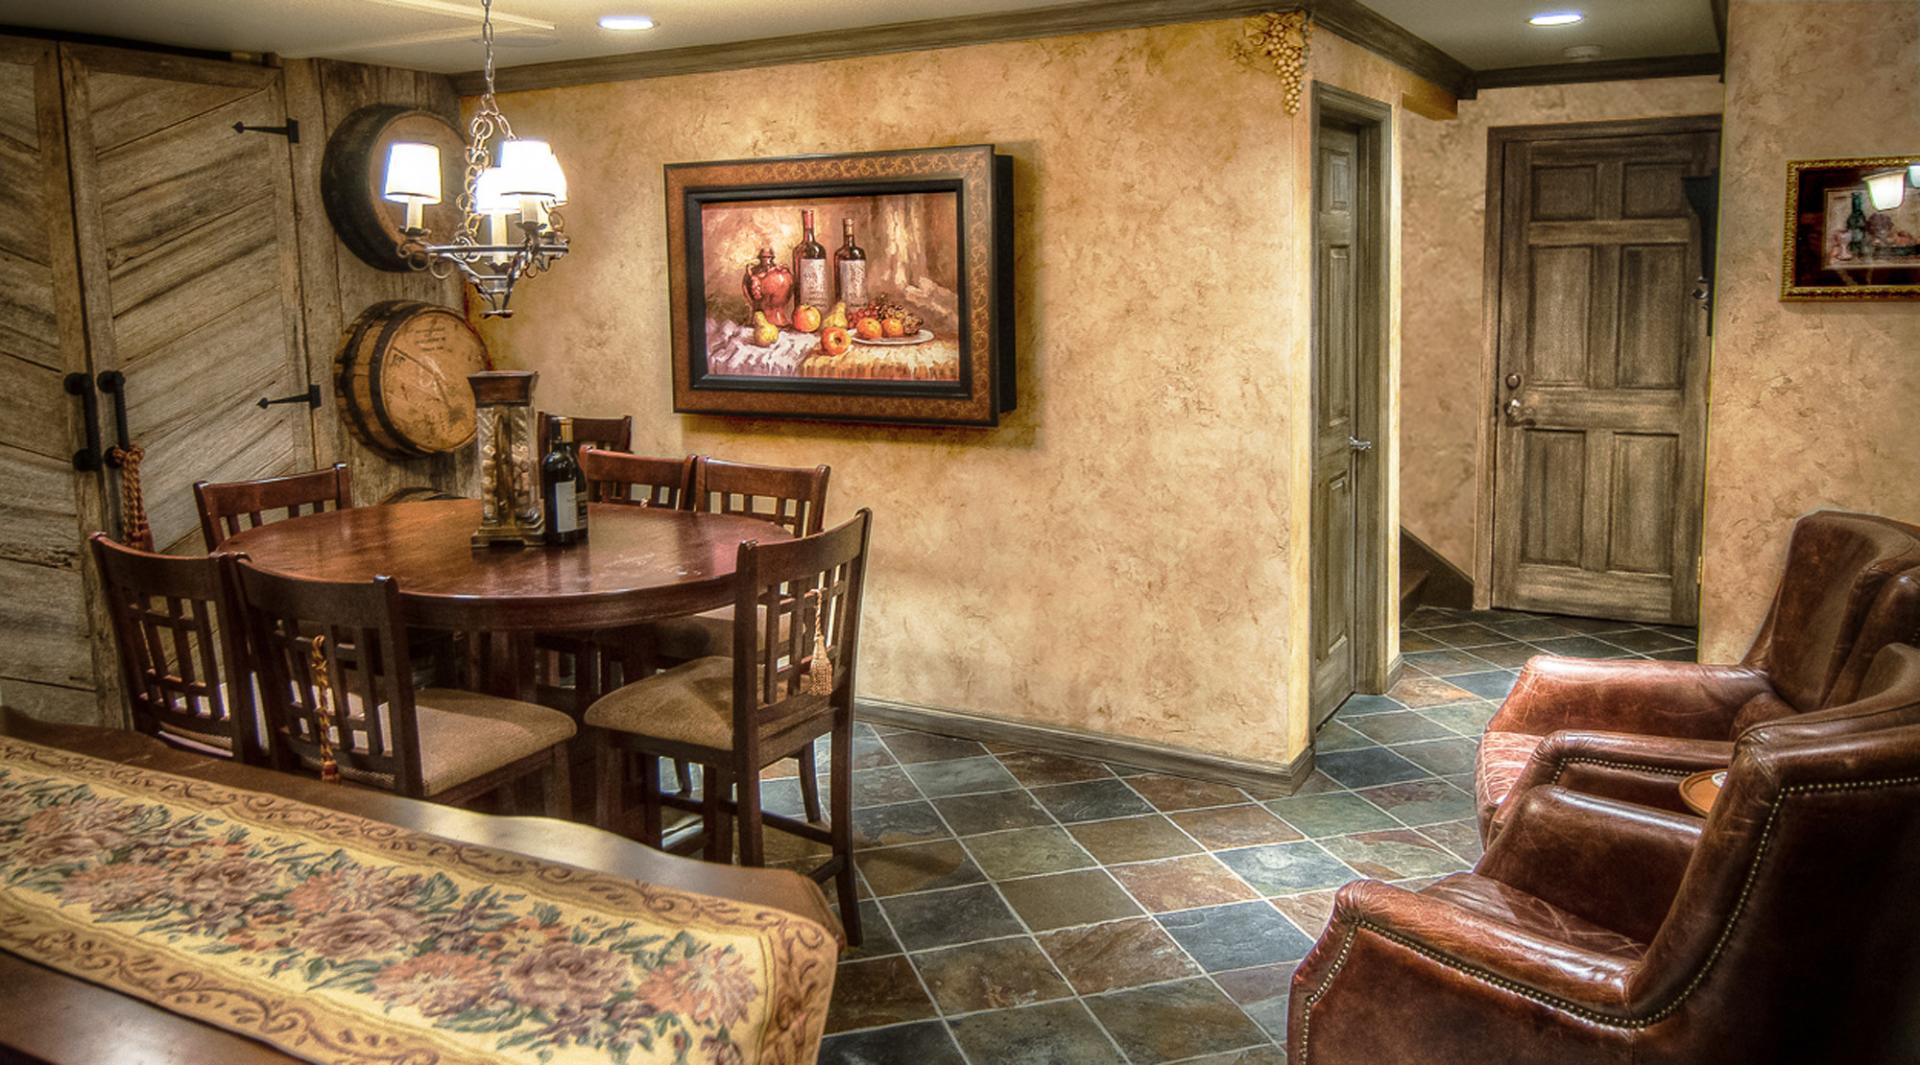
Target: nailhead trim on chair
pixel 1664 771
pixel 1564 1005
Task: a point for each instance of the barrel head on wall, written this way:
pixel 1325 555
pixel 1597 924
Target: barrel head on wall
pixel 353 175
pixel 400 378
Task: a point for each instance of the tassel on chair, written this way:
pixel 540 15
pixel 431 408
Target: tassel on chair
pixel 323 709
pixel 819 679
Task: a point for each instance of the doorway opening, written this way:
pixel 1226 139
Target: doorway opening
pixel 1349 610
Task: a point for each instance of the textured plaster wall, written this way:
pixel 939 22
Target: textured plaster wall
pixel 1126 554
pixel 1812 404
pixel 1442 397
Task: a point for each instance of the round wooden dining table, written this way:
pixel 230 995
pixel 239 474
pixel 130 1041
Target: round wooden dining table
pixel 637 564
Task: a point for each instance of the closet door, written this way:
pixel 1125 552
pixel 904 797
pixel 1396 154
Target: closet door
pixel 47 649
pixel 189 267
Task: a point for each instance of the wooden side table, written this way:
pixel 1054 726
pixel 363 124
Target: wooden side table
pixel 1700 789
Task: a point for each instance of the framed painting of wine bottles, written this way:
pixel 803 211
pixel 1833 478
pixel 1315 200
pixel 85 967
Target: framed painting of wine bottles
pixel 870 287
pixel 1852 229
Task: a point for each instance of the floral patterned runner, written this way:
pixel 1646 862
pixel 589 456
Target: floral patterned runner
pixel 339 939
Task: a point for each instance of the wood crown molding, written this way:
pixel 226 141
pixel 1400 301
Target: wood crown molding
pixel 1094 746
pixel 1664 66
pixel 1347 18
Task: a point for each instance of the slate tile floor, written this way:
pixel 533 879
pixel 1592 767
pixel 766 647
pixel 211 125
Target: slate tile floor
pixel 1023 907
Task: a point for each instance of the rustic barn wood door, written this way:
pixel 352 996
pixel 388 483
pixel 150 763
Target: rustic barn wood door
pixel 1600 366
pixel 189 266
pixel 47 650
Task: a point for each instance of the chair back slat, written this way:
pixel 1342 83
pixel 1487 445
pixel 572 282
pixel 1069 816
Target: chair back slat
pixel 183 663
pixel 619 477
pixel 607 434
pixel 363 644
pixel 797 587
pixel 794 498
pixel 235 506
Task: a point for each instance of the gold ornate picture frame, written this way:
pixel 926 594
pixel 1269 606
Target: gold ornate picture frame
pixel 763 327
pixel 1838 244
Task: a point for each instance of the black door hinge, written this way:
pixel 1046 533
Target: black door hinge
pixel 291 130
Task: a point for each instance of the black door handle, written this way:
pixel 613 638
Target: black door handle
pixel 311 397
pixel 87 459
pixel 114 383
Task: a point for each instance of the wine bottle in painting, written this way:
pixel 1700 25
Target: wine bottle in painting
pixel 563 488
pixel 850 269
pixel 811 286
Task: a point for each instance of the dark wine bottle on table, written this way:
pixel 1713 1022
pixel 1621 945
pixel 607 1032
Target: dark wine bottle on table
pixel 563 487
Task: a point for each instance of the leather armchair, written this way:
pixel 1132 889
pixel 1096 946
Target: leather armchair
pixel 1781 929
pixel 1631 728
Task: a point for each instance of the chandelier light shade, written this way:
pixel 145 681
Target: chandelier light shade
pixel 1913 175
pixel 509 228
pixel 1886 189
pixel 413 178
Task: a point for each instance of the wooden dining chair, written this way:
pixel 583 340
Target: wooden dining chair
pixel 183 670
pixel 736 714
pixel 610 434
pixel 224 506
pixel 794 498
pixel 570 669
pixel 619 477
pixel 325 652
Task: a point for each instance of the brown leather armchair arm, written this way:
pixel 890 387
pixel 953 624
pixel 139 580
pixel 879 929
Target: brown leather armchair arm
pixel 1404 977
pixel 1678 699
pixel 1639 769
pixel 1614 863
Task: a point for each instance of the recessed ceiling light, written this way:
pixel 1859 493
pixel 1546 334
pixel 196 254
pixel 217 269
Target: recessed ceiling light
pixel 625 22
pixel 1557 18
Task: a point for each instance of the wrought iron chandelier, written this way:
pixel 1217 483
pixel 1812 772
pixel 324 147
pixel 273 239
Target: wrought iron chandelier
pixel 516 197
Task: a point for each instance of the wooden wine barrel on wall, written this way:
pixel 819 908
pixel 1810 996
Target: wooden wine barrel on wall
pixel 401 378
pixel 353 176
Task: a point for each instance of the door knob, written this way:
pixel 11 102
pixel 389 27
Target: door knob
pixel 1518 414
pixel 1358 444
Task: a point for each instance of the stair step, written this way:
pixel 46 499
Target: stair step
pixel 1412 581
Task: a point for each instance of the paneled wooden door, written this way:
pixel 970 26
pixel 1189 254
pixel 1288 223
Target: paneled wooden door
pixel 1348 527
pixel 47 651
pixel 1600 366
pixel 190 267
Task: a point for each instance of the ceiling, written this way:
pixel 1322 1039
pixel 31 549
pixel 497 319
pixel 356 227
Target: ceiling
pixel 443 35
pixel 1487 34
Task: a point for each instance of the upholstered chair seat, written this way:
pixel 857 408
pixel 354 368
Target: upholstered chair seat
pixel 1632 728
pixel 691 704
pixel 464 736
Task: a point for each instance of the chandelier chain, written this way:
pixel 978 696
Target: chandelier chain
pixel 492 266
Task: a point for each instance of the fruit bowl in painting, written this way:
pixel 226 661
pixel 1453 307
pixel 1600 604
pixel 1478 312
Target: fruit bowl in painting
pixel 921 337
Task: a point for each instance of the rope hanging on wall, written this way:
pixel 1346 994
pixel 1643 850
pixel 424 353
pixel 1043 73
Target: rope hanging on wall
pixel 133 502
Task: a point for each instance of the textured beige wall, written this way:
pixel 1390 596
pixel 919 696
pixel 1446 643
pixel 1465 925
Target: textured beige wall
pixel 1127 552
pixel 1441 390
pixel 1813 404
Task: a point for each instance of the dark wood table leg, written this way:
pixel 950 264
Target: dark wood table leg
pixel 505 665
